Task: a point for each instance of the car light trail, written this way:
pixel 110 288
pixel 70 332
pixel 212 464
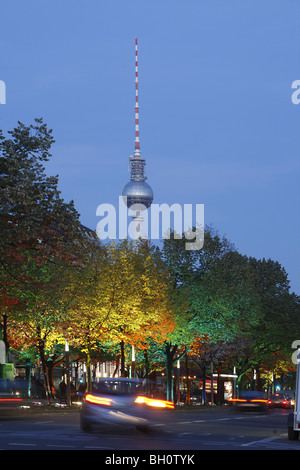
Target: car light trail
pixel 98 400
pixel 154 402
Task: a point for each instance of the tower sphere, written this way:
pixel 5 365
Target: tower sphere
pixel 138 192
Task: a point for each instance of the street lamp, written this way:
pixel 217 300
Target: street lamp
pixel 68 372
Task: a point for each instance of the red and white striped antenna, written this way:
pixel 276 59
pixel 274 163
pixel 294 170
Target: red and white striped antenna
pixel 137 152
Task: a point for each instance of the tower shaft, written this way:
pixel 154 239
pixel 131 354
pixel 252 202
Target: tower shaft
pixel 137 151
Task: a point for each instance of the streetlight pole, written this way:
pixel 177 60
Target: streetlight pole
pixel 178 381
pixel 132 361
pixel 68 372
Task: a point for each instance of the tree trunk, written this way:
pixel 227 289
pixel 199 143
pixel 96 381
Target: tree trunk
pixel 4 333
pixel 117 367
pixel 147 365
pixel 147 370
pixel 40 348
pixel 123 371
pixel 212 381
pixel 203 399
pixel 170 356
pixel 258 379
pixel 50 367
pixel 88 371
pixel 188 382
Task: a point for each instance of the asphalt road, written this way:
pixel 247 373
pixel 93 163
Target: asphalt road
pixel 186 429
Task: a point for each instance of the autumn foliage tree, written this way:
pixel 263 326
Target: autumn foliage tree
pixel 40 235
pixel 122 298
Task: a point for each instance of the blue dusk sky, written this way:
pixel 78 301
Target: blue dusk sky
pixel 217 123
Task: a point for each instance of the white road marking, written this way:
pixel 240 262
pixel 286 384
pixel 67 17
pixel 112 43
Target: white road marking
pixel 97 447
pixel 57 445
pixel 20 444
pixel 261 441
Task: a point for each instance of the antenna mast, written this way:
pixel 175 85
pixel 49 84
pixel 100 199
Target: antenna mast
pixel 137 152
pixel 136 162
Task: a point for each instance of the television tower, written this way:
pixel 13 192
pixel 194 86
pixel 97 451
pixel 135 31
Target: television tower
pixel 138 193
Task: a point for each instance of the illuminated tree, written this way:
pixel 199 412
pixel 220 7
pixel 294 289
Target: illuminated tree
pixel 213 294
pixel 122 297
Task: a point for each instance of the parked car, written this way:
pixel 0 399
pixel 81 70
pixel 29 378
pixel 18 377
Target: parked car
pixel 120 401
pixel 279 400
pixel 290 394
pixel 250 400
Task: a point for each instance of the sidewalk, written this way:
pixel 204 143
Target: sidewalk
pixel 31 406
pixel 38 405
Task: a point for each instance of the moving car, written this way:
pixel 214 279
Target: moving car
pixel 120 401
pixel 9 399
pixel 279 400
pixel 250 400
